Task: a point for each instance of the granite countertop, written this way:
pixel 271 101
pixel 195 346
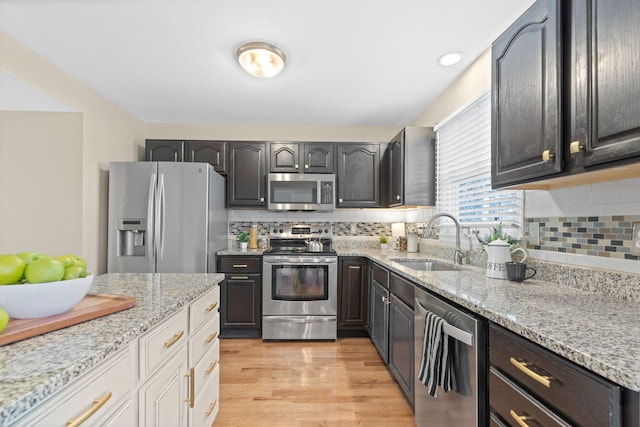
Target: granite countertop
pixel 34 369
pixel 238 251
pixel 600 333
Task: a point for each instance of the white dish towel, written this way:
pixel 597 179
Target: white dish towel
pixel 435 365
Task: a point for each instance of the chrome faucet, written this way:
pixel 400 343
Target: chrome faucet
pixel 458 255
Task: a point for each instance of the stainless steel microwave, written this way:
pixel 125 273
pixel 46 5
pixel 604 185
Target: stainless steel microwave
pixel 301 192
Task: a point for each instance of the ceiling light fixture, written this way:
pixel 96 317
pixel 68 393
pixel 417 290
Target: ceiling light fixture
pixel 261 59
pixel 450 59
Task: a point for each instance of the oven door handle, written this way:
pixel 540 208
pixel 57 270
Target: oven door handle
pixel 300 319
pixel 298 261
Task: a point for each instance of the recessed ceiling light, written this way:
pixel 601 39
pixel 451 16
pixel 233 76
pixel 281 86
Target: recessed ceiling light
pixel 450 58
pixel 261 59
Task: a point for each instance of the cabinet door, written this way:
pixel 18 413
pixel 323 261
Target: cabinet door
pixel 526 101
pixel 401 345
pixel 160 150
pixel 359 175
pixel 352 305
pixel 284 157
pixel 395 163
pixel 319 157
pixel 246 183
pixel 241 309
pixel 605 81
pixel 212 152
pixel 379 318
pixel 162 398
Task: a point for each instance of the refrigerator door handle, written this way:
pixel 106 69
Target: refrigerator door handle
pixel 162 207
pixel 150 216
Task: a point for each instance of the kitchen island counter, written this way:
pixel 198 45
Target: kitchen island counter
pixel 598 332
pixel 34 369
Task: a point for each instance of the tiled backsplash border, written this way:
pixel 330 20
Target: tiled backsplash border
pixel 339 228
pixel 602 236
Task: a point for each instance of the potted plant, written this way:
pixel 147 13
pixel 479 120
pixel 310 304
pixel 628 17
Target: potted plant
pixel 496 233
pixel 383 241
pixel 243 238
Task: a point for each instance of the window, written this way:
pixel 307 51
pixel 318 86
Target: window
pixel 463 172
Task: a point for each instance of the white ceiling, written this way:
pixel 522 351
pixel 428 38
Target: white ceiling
pixel 349 62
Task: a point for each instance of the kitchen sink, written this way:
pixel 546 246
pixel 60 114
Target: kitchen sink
pixel 426 265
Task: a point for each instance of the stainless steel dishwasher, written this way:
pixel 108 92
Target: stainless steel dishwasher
pixel 466 336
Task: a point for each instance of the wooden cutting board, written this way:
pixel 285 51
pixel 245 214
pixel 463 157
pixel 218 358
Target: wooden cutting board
pixel 91 307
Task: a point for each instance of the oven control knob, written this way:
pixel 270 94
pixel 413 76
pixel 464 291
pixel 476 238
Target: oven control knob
pixel 326 230
pixel 281 230
pixel 319 231
pixel 275 230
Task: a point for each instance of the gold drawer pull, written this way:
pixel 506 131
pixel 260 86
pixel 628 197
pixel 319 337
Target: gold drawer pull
pixel 547 155
pixel 97 404
pixel 575 147
pixel 212 337
pixel 192 388
pixel 239 277
pixel 520 419
pixel 174 340
pixel 211 408
pixel 240 265
pixel 545 380
pixel 211 367
pixel 212 306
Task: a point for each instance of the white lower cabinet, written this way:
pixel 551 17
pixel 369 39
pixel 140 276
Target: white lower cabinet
pixel 169 377
pixel 162 398
pixel 97 394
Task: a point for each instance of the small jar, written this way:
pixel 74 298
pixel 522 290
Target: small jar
pixel 402 244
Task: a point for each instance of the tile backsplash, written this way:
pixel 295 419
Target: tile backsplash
pixel 604 236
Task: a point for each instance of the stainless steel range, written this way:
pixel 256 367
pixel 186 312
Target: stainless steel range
pixel 300 284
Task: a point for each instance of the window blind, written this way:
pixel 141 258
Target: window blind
pixel 463 171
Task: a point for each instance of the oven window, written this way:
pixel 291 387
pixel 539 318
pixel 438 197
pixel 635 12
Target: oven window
pixel 300 282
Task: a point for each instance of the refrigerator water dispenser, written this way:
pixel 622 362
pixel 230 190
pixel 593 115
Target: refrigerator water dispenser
pixel 131 237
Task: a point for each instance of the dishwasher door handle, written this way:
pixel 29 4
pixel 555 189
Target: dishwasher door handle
pixel 452 331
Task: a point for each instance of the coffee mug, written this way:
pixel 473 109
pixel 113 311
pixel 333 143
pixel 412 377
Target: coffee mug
pixel 517 271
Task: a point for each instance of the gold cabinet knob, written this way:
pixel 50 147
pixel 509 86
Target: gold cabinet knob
pixel 398 197
pixel 575 147
pixel 547 155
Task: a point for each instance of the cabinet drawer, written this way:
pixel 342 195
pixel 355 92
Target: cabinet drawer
pixel 204 309
pixel 380 275
pixel 108 385
pixel 514 405
pixel 600 401
pixel 208 403
pixel 402 288
pixel 157 345
pixel 204 340
pixel 206 368
pixel 240 264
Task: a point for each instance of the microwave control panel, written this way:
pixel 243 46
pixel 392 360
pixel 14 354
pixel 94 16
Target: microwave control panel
pixel 326 195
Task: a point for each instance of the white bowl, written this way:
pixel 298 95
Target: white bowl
pixel 32 300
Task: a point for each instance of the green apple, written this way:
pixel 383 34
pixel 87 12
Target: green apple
pixel 66 260
pixel 4 319
pixel 44 270
pixel 78 260
pixel 12 269
pixel 74 272
pixel 29 256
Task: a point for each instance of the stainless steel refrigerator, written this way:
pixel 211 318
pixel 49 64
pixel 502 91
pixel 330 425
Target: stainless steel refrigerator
pixel 165 217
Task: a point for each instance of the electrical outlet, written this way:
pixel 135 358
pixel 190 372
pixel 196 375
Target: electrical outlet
pixel 533 232
pixel 635 241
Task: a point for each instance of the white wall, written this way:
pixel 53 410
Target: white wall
pixel 108 133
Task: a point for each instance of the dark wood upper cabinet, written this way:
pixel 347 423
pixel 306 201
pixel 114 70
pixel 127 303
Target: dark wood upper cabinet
pixel 566 86
pixel 246 181
pixel 303 157
pixel 319 157
pixel 212 152
pixel 163 150
pixel 526 97
pixel 358 175
pixel 408 172
pixel 604 82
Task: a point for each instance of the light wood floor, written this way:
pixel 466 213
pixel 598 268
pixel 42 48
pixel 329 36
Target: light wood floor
pixel 307 384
